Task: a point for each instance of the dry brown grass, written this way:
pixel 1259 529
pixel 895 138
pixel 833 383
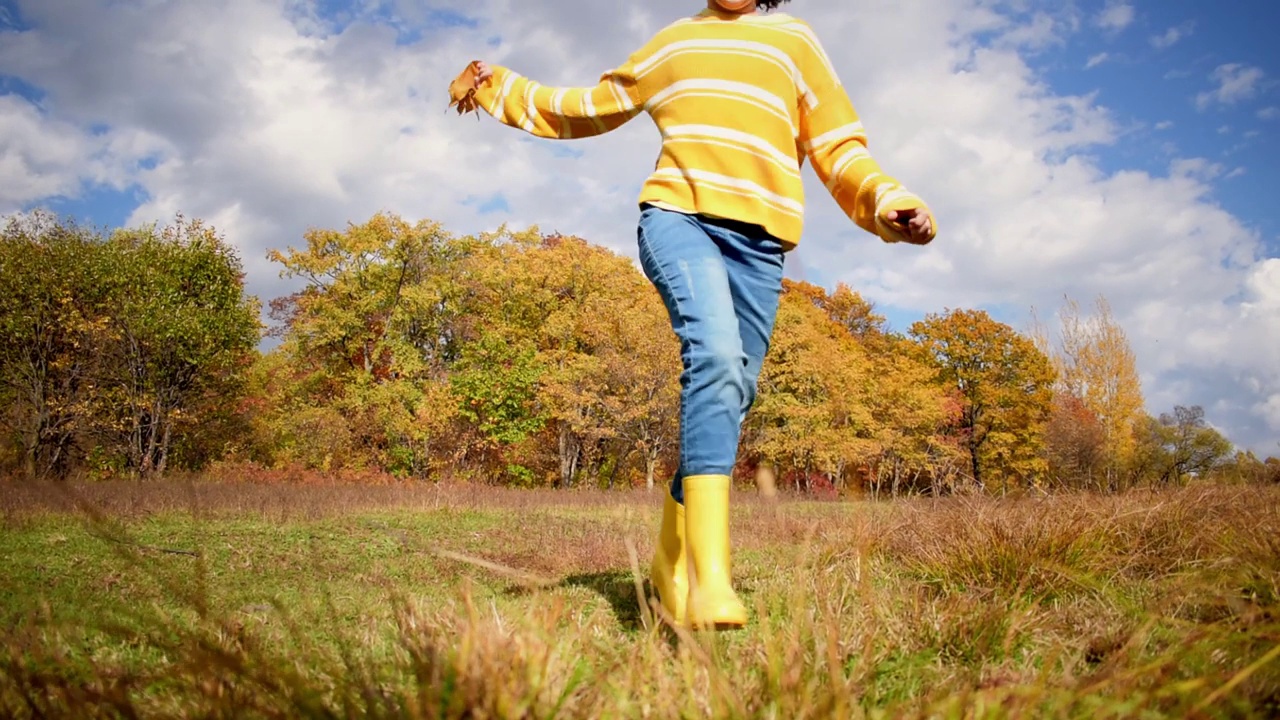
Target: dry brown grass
pixel 485 602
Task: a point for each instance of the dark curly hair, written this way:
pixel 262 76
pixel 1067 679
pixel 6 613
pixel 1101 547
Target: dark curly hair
pixel 767 5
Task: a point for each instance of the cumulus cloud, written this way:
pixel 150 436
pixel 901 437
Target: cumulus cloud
pixel 1233 82
pixel 1115 16
pixel 266 117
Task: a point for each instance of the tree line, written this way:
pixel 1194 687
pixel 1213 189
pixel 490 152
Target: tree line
pixel 536 360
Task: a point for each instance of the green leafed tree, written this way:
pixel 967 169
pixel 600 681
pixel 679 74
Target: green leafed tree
pixel 184 333
pixel 496 382
pixel 1179 446
pixel 117 348
pixel 1245 466
pixel 54 325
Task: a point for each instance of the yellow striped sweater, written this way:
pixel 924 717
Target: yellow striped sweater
pixel 740 101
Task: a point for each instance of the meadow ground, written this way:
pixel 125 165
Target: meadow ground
pixel 201 599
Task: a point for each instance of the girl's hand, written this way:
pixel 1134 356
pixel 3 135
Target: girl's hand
pixel 916 221
pixel 462 91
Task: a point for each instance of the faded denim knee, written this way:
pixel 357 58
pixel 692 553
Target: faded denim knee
pixel 716 368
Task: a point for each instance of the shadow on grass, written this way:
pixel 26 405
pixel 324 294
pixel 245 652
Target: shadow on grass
pixel 616 587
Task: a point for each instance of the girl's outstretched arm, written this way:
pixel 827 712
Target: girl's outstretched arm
pixel 560 113
pixel 832 136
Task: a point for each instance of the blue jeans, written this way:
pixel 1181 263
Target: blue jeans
pixel 720 281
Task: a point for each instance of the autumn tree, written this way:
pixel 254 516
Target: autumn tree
pixel 1005 383
pixel 900 442
pixel 608 364
pixel 1096 367
pixel 846 308
pixel 913 417
pixel 369 337
pixel 525 358
pixel 1075 444
pixel 640 359
pixel 530 359
pixel 378 297
pixel 811 414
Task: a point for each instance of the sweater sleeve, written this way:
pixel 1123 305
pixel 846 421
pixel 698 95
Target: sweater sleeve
pixel 562 113
pixel 832 136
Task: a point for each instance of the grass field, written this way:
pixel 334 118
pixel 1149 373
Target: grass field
pixel 242 600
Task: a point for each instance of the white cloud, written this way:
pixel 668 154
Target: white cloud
pixel 39 157
pixel 1115 16
pixel 1041 32
pixel 266 121
pixel 42 156
pixel 1096 60
pixel 1170 37
pixel 1269 113
pixel 1164 124
pixel 1195 167
pixel 1235 82
pixel 1234 173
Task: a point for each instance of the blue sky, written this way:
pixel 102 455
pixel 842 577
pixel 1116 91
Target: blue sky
pixel 1124 148
pixel 1158 70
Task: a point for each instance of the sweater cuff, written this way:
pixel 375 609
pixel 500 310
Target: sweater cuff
pixel 899 198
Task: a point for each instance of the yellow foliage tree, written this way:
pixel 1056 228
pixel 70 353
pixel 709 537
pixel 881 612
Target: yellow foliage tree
pixel 1096 366
pixel 811 414
pixel 904 443
pixel 359 379
pixel 1006 385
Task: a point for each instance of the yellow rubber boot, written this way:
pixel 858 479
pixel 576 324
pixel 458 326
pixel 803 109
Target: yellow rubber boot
pixel 669 572
pixel 712 602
